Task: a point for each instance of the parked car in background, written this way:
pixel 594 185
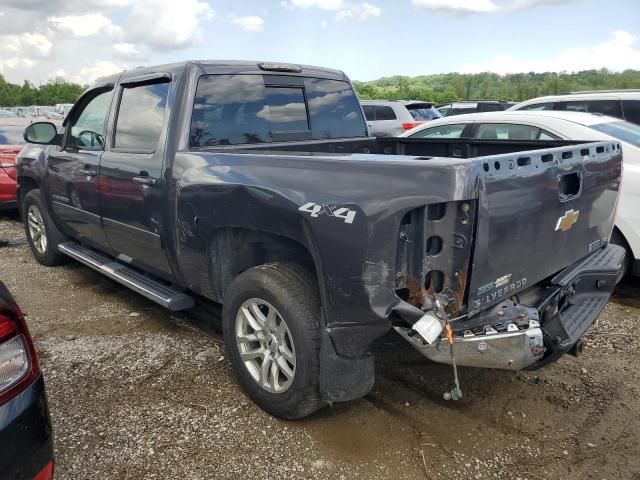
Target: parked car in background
pixel 624 104
pixel 7 114
pixel 548 125
pixel 471 106
pixel 390 118
pixel 26 438
pixel 11 142
pixel 36 111
pixel 60 111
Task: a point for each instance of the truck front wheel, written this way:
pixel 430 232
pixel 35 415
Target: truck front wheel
pixel 42 234
pixel 271 326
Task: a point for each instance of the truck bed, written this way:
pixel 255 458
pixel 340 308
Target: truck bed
pixel 422 147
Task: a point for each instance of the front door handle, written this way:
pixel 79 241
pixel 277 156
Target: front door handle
pixel 88 172
pixel 145 180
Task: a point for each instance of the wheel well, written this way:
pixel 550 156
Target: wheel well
pixel 26 185
pixel 618 238
pixel 234 250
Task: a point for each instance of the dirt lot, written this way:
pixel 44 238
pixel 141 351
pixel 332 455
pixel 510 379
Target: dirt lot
pixel 136 392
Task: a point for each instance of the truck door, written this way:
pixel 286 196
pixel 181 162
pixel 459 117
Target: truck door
pixel 73 168
pixel 132 195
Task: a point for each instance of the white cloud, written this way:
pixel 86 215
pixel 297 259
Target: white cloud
pixel 85 25
pixel 21 51
pixel 619 52
pixel 27 45
pixel 129 52
pixel 466 7
pixel 126 49
pixel 323 24
pixel 88 75
pixel 361 13
pixel 323 4
pixel 167 23
pixel 460 7
pixel 251 23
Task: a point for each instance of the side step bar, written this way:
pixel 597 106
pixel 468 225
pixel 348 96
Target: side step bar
pixel 166 296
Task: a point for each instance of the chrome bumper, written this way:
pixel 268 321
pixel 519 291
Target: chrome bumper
pixel 513 349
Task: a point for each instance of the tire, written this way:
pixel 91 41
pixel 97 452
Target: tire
pixel 292 292
pixel 618 239
pixel 36 220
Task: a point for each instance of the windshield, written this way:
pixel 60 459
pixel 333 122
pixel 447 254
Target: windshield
pixel 625 131
pixel 423 112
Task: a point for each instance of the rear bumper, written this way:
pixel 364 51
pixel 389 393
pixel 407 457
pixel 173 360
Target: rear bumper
pixel 529 337
pixel 26 439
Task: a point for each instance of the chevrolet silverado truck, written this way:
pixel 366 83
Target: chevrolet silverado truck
pixel 257 185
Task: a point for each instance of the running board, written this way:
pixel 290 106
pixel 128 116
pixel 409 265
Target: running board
pixel 166 296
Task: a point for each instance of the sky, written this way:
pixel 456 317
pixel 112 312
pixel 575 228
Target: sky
pixel 81 40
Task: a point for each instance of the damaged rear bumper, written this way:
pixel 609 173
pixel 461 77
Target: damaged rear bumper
pixel 531 336
pixel 514 349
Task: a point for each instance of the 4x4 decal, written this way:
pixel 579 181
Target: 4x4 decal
pixel 315 210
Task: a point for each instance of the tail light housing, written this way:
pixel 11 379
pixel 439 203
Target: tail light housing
pixel 8 156
pixel 19 365
pixel 410 125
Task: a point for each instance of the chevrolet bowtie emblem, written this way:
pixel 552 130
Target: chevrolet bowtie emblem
pixel 566 221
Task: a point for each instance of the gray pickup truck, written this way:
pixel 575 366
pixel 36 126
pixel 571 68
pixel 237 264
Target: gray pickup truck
pixel 256 185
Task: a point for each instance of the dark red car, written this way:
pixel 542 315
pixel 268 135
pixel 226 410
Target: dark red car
pixel 26 439
pixel 11 142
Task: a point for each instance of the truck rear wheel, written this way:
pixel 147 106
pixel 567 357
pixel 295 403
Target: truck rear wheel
pixel 271 327
pixel 42 234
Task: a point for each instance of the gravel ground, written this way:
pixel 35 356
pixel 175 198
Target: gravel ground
pixel 136 392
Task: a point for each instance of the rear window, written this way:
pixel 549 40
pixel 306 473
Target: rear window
pixel 245 109
pixel 11 135
pixel 423 111
pixel 625 131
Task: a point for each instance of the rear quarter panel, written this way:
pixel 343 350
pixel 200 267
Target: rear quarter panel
pixel 354 260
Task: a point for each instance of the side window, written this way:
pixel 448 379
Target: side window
pixel 506 131
pixel 369 112
pixel 87 129
pixel 631 110
pixel 385 113
pixel 441 131
pixel 141 116
pixel 605 107
pixel 538 106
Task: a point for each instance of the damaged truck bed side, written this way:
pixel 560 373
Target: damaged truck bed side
pixel 263 191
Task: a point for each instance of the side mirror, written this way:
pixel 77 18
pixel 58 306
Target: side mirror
pixel 43 133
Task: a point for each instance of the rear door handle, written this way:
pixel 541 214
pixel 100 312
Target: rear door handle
pixel 88 172
pixel 145 181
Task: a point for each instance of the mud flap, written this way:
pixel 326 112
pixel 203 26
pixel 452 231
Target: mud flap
pixel 343 379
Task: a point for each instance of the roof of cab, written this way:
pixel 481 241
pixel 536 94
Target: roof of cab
pixel 228 67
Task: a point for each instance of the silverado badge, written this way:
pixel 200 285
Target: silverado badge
pixel 566 221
